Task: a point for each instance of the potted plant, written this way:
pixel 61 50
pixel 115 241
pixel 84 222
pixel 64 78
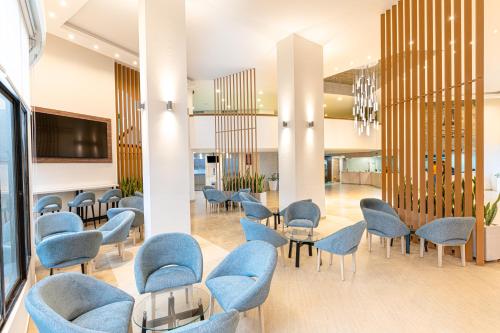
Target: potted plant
pixel 257 182
pixel 491 232
pixel 273 182
pixel 495 182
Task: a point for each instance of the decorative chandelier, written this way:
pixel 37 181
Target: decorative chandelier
pixel 365 109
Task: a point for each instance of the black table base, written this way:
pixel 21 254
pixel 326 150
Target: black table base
pixel 298 245
pixel 171 318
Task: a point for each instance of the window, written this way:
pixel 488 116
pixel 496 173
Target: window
pixel 14 200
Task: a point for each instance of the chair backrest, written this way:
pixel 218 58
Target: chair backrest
pixel 283 211
pixel 132 202
pixel 167 249
pixel 246 196
pixel 256 259
pixel 378 205
pixel 121 221
pixel 46 201
pixel 84 196
pixel 47 225
pixel 215 196
pixel 303 210
pixel 447 229
pixel 138 219
pixel 256 210
pixel 256 231
pixel 205 188
pixel 344 241
pixel 225 322
pixel 109 194
pixel 138 194
pixel 52 301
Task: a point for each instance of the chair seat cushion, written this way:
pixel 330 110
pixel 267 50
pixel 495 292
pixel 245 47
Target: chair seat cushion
pixel 57 234
pixel 227 289
pixel 302 223
pixel 112 318
pixel 170 277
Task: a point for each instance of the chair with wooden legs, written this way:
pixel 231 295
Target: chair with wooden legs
pixel 116 230
pixel 342 243
pixel 382 220
pixel 216 198
pixel 257 211
pixel 448 231
pixel 136 205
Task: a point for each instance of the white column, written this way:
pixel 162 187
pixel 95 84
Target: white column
pixel 165 134
pixel 300 100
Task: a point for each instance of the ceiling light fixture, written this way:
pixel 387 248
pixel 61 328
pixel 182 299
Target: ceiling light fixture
pixel 285 123
pixel 170 106
pixel 261 92
pixel 495 31
pixel 324 105
pixel 63 3
pixel 135 62
pixel 52 14
pixel 71 36
pixel 96 47
pixel 310 124
pixel 340 99
pixel 117 55
pixel 365 107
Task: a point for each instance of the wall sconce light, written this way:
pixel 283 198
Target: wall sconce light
pixel 285 123
pixel 140 106
pixel 310 124
pixel 170 106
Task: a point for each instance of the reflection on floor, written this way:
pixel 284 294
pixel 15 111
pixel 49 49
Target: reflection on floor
pixel 400 294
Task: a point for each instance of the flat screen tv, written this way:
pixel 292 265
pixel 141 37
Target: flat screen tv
pixel 212 159
pixel 62 137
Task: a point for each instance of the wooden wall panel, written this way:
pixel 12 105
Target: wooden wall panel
pixel 431 120
pixel 128 123
pixel 236 127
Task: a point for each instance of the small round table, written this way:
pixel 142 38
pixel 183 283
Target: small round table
pixel 300 236
pixel 171 309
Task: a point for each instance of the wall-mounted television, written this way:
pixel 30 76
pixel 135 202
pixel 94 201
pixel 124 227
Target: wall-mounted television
pixel 212 159
pixel 64 137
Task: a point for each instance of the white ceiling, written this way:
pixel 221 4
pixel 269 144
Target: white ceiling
pixel 226 36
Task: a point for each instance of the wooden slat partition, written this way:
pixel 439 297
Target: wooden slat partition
pixel 128 123
pixel 432 123
pixel 235 108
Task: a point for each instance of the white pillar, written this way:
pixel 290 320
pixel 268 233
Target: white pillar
pixel 165 134
pixel 300 100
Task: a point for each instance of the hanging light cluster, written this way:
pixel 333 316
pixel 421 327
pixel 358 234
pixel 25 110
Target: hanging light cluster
pixel 365 109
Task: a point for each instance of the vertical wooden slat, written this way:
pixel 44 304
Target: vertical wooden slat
pixel 439 109
pixel 407 107
pixel 479 42
pixel 430 111
pixel 421 78
pixel 414 111
pixel 448 110
pixel 457 39
pixel 401 109
pixel 390 159
pixel 117 114
pixel 395 109
pixel 383 108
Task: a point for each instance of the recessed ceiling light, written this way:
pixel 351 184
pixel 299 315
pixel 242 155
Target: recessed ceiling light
pixel 52 14
pixel 96 47
pixel 258 100
pixel 369 57
pixel 135 64
pixel 117 55
pixel 324 105
pixel 261 92
pixel 63 3
pixel 495 31
pixel 340 99
pixel 71 36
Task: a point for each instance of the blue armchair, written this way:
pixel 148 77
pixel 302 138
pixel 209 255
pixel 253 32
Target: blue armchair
pixel 236 197
pixel 215 198
pixel 57 224
pixel 112 197
pixel 84 200
pixel 342 243
pixel 283 211
pixel 256 231
pixel 448 231
pixel 69 249
pixel 138 194
pixel 136 205
pixel 243 279
pixel 116 230
pixel 244 196
pixel 204 189
pixel 225 322
pixel 74 303
pixel 256 211
pixel 48 204
pixel 166 262
pixel 302 214
pixel 383 221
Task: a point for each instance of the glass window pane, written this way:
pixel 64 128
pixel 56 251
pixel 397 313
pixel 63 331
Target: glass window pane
pixel 8 195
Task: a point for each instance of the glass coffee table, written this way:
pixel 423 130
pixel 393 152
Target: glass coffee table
pixel 168 310
pixel 301 236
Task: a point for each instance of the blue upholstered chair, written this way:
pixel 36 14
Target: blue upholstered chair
pixel 302 214
pixel 136 205
pixel 57 224
pixel 204 189
pixel 342 243
pixel 74 303
pixel 138 194
pixel 215 198
pixel 448 231
pixel 243 279
pixel 116 230
pixel 256 211
pixel 168 262
pixel 244 196
pixel 225 322
pixel 84 200
pixel 48 204
pixel 383 221
pixel 112 197
pixel 236 198
pixel 256 231
pixel 283 211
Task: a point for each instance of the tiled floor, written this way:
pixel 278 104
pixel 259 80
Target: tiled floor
pixel 402 294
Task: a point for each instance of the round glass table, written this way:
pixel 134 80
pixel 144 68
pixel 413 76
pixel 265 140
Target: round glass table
pixel 165 311
pixel 300 236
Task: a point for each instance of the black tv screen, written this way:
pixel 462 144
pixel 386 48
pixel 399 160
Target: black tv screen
pixel 212 159
pixel 66 137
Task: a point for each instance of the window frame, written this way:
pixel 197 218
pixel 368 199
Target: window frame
pixel 20 118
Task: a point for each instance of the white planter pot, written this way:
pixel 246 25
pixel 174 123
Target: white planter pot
pixel 492 242
pixel 273 185
pixel 262 197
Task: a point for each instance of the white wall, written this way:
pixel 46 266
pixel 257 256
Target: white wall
pixel 491 140
pixel 74 79
pixel 14 59
pixel 203 97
